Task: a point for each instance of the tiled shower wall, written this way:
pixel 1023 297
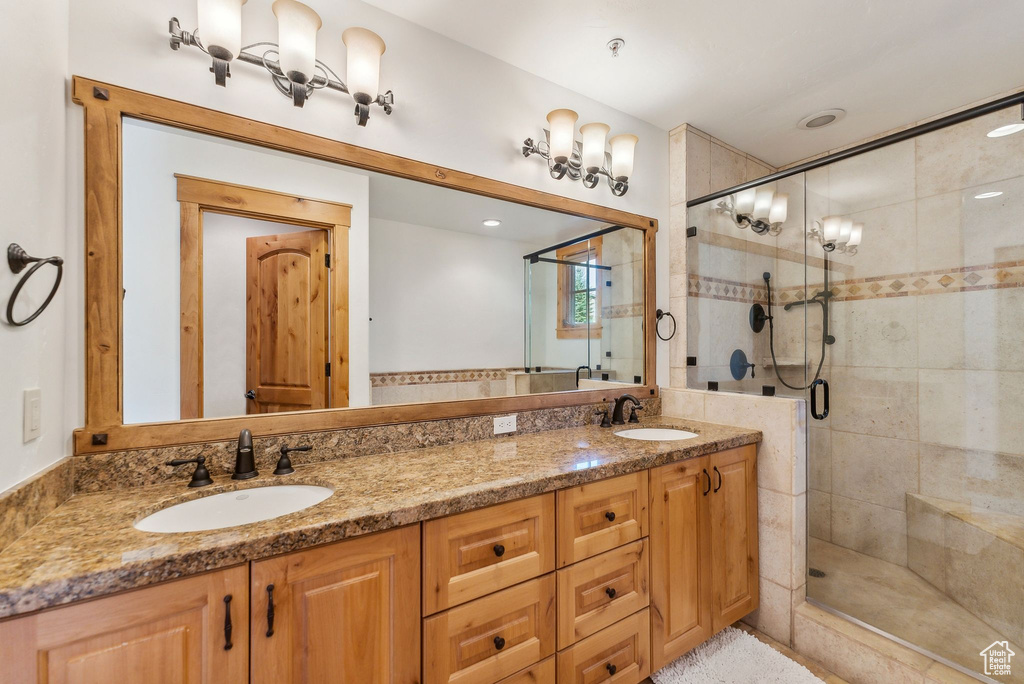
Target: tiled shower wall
pixel 927 372
pixel 699 165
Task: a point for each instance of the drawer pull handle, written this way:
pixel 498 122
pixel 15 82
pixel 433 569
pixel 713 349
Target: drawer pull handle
pixel 499 550
pixel 611 669
pixel 610 515
pixel 610 591
pixel 227 623
pixel 499 643
pixel 270 610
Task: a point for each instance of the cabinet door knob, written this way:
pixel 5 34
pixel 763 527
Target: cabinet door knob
pixel 610 591
pixel 611 669
pixel 610 515
pixel 499 550
pixel 499 643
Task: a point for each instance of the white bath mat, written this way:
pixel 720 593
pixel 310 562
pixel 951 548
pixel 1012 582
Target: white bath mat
pixel 733 656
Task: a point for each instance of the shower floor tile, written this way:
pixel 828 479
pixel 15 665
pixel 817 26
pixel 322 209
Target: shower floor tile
pixel 894 599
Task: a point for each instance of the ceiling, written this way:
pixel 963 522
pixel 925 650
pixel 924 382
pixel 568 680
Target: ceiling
pixel 746 71
pixel 423 204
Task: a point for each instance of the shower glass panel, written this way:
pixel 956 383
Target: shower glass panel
pixel 730 340
pixel 897 284
pixel 584 311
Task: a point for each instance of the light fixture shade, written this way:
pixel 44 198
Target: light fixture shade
pixel 297 25
pixel 745 201
pixel 780 209
pixel 763 203
pixel 623 148
pixel 856 233
pixel 845 228
pixel 830 228
pixel 220 27
pixel 562 132
pixel 363 73
pixel 595 136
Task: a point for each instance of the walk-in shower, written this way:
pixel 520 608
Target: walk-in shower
pixel 893 282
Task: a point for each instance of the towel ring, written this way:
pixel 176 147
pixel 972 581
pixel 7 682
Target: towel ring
pixel 18 259
pixel 659 314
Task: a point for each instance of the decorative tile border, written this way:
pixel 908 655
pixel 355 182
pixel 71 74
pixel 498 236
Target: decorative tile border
pixel 726 290
pixel 622 310
pixel 965 279
pixel 437 377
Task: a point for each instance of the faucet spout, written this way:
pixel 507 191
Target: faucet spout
pixel 620 403
pixel 245 461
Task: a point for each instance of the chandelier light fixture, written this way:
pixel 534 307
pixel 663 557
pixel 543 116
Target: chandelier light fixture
pixel 837 234
pixel 760 209
pixel 588 160
pixel 291 62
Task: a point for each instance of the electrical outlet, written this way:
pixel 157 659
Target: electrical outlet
pixel 33 424
pixel 505 424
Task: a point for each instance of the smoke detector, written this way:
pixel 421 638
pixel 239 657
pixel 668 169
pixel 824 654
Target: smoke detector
pixel 616 44
pixel 825 117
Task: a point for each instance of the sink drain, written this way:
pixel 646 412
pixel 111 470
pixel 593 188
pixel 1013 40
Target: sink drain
pixel 815 572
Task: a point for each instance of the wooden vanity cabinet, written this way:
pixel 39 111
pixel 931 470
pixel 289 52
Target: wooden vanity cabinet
pixel 704 563
pixel 171 633
pixel 347 613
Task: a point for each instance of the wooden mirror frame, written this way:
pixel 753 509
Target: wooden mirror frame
pixel 104 106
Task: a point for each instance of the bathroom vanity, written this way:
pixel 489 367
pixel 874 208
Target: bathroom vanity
pixel 570 555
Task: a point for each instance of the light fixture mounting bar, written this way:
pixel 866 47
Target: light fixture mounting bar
pixel 325 78
pixel 573 168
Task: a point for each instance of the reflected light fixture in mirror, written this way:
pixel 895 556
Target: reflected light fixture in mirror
pixel 297 25
pixel 760 209
pixel 835 233
pixel 291 63
pixel 588 160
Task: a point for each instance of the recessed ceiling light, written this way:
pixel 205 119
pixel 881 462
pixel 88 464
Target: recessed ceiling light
pixel 1006 130
pixel 821 119
pixel 491 223
pixel 986 195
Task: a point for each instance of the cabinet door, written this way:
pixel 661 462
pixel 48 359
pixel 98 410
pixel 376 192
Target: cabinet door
pixel 680 559
pixel 473 554
pixel 346 613
pixel 733 505
pixel 600 516
pixel 171 633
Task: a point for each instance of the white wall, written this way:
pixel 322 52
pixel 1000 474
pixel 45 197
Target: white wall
pixel 456 107
pixel 444 300
pixel 32 192
pixel 152 154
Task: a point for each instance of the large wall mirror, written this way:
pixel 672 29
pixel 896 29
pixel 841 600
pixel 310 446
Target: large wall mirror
pixel 257 278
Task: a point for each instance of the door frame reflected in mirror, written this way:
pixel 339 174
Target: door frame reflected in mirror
pixel 104 107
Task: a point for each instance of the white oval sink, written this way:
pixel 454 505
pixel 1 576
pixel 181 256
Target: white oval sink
pixel 239 507
pixel 656 434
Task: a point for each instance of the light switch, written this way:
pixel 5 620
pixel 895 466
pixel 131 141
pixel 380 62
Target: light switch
pixel 33 425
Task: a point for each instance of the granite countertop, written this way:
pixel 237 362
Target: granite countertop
pixel 88 546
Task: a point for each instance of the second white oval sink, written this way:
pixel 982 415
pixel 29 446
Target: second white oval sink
pixel 656 434
pixel 238 507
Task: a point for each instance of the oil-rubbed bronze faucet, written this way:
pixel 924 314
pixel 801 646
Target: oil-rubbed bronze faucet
pixel 617 418
pixel 245 462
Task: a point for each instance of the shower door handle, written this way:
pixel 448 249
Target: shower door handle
pixel 814 400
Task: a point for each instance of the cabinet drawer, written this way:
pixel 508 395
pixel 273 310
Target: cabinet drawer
pixel 619 654
pixel 473 554
pixel 541 673
pixel 599 591
pixel 493 637
pixel 602 515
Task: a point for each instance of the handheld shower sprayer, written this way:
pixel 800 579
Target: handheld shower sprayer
pixel 758 317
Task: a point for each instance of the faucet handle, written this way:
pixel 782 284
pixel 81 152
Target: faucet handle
pixel 284 464
pixel 201 476
pixel 632 414
pixel 605 420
